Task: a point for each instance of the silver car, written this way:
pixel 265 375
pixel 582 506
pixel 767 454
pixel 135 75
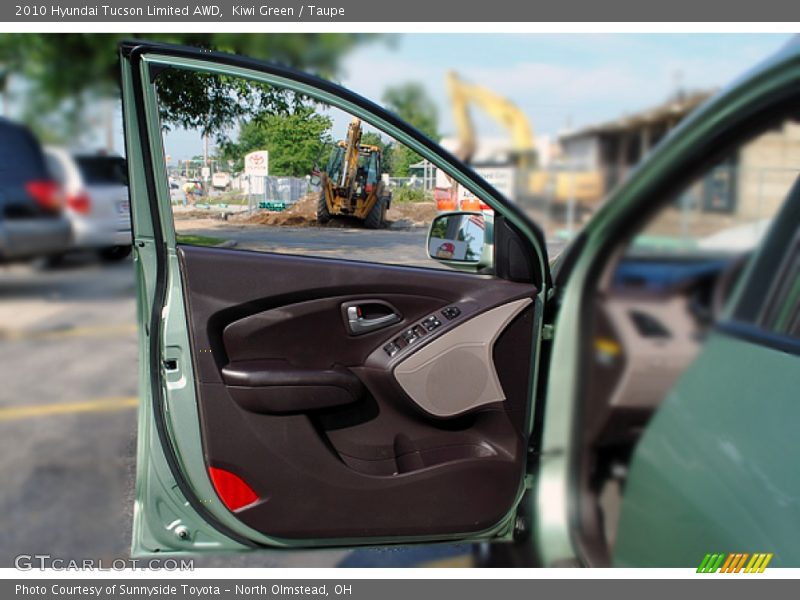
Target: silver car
pixel 97 204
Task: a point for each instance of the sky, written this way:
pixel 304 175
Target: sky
pixel 560 81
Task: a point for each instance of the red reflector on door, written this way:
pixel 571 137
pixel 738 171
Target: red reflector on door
pixel 232 489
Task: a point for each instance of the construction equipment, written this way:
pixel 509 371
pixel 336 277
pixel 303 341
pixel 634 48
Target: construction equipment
pixel 505 112
pixel 530 182
pixel 351 182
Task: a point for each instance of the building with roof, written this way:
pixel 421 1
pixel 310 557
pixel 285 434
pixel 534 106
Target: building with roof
pixel 614 147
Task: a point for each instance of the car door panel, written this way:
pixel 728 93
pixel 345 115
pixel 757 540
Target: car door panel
pixel 313 418
pixel 270 417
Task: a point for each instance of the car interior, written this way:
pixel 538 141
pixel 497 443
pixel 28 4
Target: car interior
pixel 651 311
pixel 650 318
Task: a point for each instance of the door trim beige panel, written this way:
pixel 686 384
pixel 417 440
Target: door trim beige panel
pixel 455 373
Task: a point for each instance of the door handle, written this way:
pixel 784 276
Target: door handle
pixel 363 317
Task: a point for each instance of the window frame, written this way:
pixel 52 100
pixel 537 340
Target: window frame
pixel 154 59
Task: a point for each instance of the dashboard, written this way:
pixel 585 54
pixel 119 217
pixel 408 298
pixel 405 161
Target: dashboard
pixel 651 317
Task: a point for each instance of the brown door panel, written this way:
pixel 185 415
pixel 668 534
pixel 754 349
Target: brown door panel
pixel 301 410
pixel 224 286
pixel 276 387
pixel 285 331
pixel 308 492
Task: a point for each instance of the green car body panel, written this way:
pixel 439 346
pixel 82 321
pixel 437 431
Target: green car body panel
pixel 704 418
pixel 716 470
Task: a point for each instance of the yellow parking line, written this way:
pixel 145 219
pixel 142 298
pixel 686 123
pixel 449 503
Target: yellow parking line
pixel 14 413
pixel 97 331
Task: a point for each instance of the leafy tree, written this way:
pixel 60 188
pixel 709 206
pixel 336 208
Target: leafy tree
pixel 410 102
pixel 371 138
pixel 65 72
pixel 295 140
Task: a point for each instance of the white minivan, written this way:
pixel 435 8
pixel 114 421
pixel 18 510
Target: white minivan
pixel 97 204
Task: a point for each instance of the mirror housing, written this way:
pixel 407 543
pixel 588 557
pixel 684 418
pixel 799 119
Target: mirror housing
pixel 461 239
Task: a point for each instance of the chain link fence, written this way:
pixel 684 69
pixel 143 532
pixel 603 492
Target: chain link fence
pixel 275 193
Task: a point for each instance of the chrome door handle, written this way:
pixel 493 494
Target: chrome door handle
pixel 359 324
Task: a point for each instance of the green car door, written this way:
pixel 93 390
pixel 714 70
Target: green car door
pixel 716 472
pixel 303 401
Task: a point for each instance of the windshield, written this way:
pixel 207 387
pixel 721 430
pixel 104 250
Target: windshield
pixel 103 170
pixel 20 156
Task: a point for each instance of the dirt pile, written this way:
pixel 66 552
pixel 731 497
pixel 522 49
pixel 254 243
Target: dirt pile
pixel 304 214
pixel 411 214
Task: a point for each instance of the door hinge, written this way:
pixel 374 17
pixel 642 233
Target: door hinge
pixel 547 332
pixel 520 528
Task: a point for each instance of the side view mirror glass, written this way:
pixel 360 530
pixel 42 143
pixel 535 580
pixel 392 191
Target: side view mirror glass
pixel 458 237
pixel 315 180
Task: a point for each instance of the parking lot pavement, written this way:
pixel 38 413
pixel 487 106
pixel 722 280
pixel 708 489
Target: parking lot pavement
pixel 67 410
pixel 392 246
pixel 400 246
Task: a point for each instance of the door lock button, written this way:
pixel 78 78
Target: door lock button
pixel 451 312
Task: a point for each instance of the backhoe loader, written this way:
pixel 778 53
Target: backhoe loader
pixel 530 181
pixel 351 182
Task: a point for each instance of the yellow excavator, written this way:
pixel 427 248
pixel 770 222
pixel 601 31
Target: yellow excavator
pixel 506 113
pixel 585 187
pixel 351 182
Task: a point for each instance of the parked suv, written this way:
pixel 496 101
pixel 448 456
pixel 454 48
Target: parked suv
pixel 97 205
pixel 32 223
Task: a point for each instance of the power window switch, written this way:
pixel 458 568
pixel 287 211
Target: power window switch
pixel 431 323
pixel 391 349
pixel 451 312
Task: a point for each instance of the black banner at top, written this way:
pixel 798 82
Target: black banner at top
pixel 443 11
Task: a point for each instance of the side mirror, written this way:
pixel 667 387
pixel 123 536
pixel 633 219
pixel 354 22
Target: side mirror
pixel 315 180
pixel 459 239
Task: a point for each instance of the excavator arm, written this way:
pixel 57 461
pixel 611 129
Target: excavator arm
pixel 352 146
pixel 506 113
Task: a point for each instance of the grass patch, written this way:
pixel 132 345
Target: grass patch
pixel 405 194
pixel 232 198
pixel 198 240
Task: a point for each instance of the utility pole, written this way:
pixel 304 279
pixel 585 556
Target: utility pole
pixel 205 159
pixel 108 117
pixel 4 77
pixel 677 80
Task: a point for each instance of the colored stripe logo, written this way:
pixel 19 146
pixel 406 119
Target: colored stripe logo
pixel 735 562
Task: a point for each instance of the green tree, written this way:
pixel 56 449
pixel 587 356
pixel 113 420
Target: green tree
pixel 66 72
pixel 295 141
pixel 410 102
